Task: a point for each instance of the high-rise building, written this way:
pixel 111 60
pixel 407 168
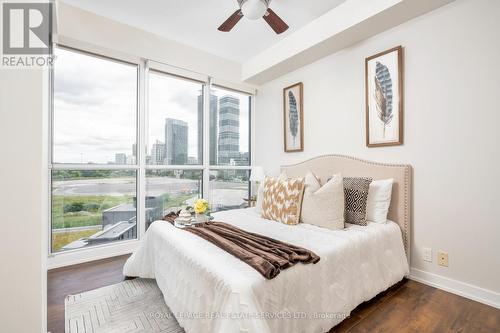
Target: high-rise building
pixel 134 150
pixel 229 130
pixel 213 128
pixel 176 142
pixel 157 153
pixel 120 158
pixel 131 159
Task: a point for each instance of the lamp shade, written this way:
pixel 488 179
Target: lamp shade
pixel 257 174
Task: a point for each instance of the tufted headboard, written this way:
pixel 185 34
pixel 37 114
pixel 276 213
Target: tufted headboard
pixel 327 165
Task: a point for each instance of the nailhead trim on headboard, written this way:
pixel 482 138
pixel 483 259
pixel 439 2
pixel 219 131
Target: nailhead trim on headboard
pixel 406 191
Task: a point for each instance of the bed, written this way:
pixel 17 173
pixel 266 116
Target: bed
pixel 209 290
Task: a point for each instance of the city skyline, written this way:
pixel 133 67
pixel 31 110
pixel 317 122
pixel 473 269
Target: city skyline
pixel 88 129
pixel 224 136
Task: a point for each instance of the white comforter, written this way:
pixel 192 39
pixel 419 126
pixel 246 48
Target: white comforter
pixel 209 290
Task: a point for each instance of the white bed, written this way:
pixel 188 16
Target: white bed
pixel 209 290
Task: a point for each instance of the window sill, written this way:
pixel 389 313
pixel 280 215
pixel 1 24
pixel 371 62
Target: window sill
pixel 79 256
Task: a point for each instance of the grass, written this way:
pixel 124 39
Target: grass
pixel 63 238
pixel 92 215
pixel 175 202
pixel 60 219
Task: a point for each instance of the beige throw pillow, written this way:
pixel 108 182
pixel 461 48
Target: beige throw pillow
pixel 282 200
pixel 323 206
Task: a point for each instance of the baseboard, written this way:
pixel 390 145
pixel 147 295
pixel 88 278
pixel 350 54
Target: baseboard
pixel 463 289
pixel 81 256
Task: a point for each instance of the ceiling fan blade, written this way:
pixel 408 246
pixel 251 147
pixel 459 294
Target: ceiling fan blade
pixel 231 21
pixel 279 26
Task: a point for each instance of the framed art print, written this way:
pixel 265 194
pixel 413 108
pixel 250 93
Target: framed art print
pixel 293 117
pixel 384 98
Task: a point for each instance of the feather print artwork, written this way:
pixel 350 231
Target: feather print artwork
pixel 383 94
pixel 293 116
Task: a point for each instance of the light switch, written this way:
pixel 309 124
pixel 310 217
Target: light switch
pixel 427 256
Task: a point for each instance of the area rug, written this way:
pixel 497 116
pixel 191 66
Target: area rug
pixel 130 306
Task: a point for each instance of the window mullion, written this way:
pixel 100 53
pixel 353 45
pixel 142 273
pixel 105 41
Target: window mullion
pixel 206 138
pixel 141 148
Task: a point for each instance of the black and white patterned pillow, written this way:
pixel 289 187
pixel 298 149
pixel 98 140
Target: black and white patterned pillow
pixel 355 197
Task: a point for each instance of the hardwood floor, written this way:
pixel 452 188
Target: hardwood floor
pixel 407 307
pixel 76 279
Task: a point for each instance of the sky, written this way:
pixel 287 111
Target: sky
pixel 95 108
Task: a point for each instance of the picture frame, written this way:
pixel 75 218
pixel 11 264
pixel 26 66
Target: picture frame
pixel 293 118
pixel 384 78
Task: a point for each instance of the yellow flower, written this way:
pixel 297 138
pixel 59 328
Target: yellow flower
pixel 200 206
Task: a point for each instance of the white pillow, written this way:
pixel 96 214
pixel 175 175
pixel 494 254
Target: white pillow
pixel 323 206
pixel 260 196
pixel 379 200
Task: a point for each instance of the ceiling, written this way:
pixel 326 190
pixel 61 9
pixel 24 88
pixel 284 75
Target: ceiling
pixel 195 22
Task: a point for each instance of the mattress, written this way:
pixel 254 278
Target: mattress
pixel 209 290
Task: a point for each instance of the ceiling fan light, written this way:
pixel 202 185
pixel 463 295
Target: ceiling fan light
pixel 254 9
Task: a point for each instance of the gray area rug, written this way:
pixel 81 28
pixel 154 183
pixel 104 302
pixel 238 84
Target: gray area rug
pixel 130 306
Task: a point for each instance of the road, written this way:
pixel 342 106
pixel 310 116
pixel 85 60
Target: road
pixel 221 192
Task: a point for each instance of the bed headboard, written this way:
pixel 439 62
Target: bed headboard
pixel 327 165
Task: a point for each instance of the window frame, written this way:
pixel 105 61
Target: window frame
pixel 144 66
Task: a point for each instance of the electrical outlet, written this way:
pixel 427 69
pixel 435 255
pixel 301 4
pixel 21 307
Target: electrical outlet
pixel 443 258
pixel 427 256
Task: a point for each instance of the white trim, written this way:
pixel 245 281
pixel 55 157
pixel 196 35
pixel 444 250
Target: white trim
pixel 244 88
pixel 140 153
pixel 80 256
pixel 230 167
pixel 177 71
pixel 460 288
pixel 62 166
pixel 174 167
pixel 99 51
pixel 45 208
pixel 205 183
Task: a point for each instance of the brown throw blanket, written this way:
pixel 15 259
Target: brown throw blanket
pixel 266 255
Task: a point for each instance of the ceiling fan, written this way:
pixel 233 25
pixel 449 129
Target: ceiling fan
pixel 253 10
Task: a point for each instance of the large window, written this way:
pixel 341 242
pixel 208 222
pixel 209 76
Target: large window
pixel 175 117
pixel 229 127
pixel 92 207
pixel 229 148
pixel 95 109
pixel 229 188
pixel 170 190
pixel 94 122
pixel 132 141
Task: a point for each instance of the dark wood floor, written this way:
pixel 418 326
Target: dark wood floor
pixel 407 307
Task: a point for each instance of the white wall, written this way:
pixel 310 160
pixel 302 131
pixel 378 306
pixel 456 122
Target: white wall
pixel 452 116
pixel 23 200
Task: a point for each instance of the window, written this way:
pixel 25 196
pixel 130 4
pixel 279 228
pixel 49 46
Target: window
pixel 91 207
pixel 229 127
pixel 175 120
pixel 175 136
pixel 168 190
pixel 229 148
pixel 229 189
pixel 94 122
pixel 95 109
pixel 121 159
